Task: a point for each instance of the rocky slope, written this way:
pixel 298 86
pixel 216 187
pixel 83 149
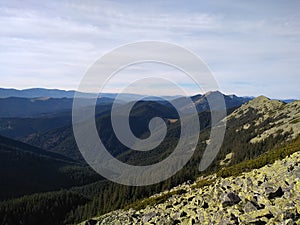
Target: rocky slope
pixel 269 195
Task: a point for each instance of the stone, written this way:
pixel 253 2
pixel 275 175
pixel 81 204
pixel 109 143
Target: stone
pixel 231 199
pixel 255 216
pixel 148 217
pixel 262 201
pixel 288 222
pixel 249 207
pixel 176 216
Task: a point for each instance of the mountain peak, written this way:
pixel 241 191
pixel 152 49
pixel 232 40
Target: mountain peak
pixel 213 93
pixel 264 102
pixel 261 104
pixel 262 98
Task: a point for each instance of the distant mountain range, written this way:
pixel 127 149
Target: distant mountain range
pixel 12 107
pixel 48 102
pixel 56 93
pixel 36 93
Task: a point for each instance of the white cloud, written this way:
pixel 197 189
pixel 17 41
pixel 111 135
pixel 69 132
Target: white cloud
pixel 52 44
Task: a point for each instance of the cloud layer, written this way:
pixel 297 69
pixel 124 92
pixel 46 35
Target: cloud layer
pixel 253 47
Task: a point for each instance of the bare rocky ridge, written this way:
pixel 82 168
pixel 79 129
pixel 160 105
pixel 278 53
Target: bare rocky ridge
pixel 269 195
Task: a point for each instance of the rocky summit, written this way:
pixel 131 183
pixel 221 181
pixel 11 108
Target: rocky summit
pixel 269 195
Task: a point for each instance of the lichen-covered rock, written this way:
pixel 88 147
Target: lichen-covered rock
pixel 269 195
pixel 148 216
pixel 249 207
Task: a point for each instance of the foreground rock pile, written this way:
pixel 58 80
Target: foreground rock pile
pixel 269 195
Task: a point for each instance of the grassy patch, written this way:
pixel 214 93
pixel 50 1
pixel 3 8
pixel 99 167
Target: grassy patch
pixel 202 183
pixel 260 161
pixel 153 200
pixel 164 197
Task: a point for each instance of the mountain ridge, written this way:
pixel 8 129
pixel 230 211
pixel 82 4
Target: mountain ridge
pixel 58 93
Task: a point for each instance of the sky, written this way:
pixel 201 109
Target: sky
pixel 251 47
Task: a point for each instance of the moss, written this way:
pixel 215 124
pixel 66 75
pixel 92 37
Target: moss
pixel 203 183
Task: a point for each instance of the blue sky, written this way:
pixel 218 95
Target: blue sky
pixel 252 47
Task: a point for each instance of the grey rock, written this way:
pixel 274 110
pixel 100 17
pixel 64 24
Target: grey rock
pixel 231 199
pixel 148 216
pixel 249 207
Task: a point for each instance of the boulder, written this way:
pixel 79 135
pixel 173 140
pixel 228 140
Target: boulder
pixel 249 207
pixel 231 199
pixel 148 217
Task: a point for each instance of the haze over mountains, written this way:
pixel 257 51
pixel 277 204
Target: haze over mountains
pixel 56 93
pixel 44 102
pixel 46 122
